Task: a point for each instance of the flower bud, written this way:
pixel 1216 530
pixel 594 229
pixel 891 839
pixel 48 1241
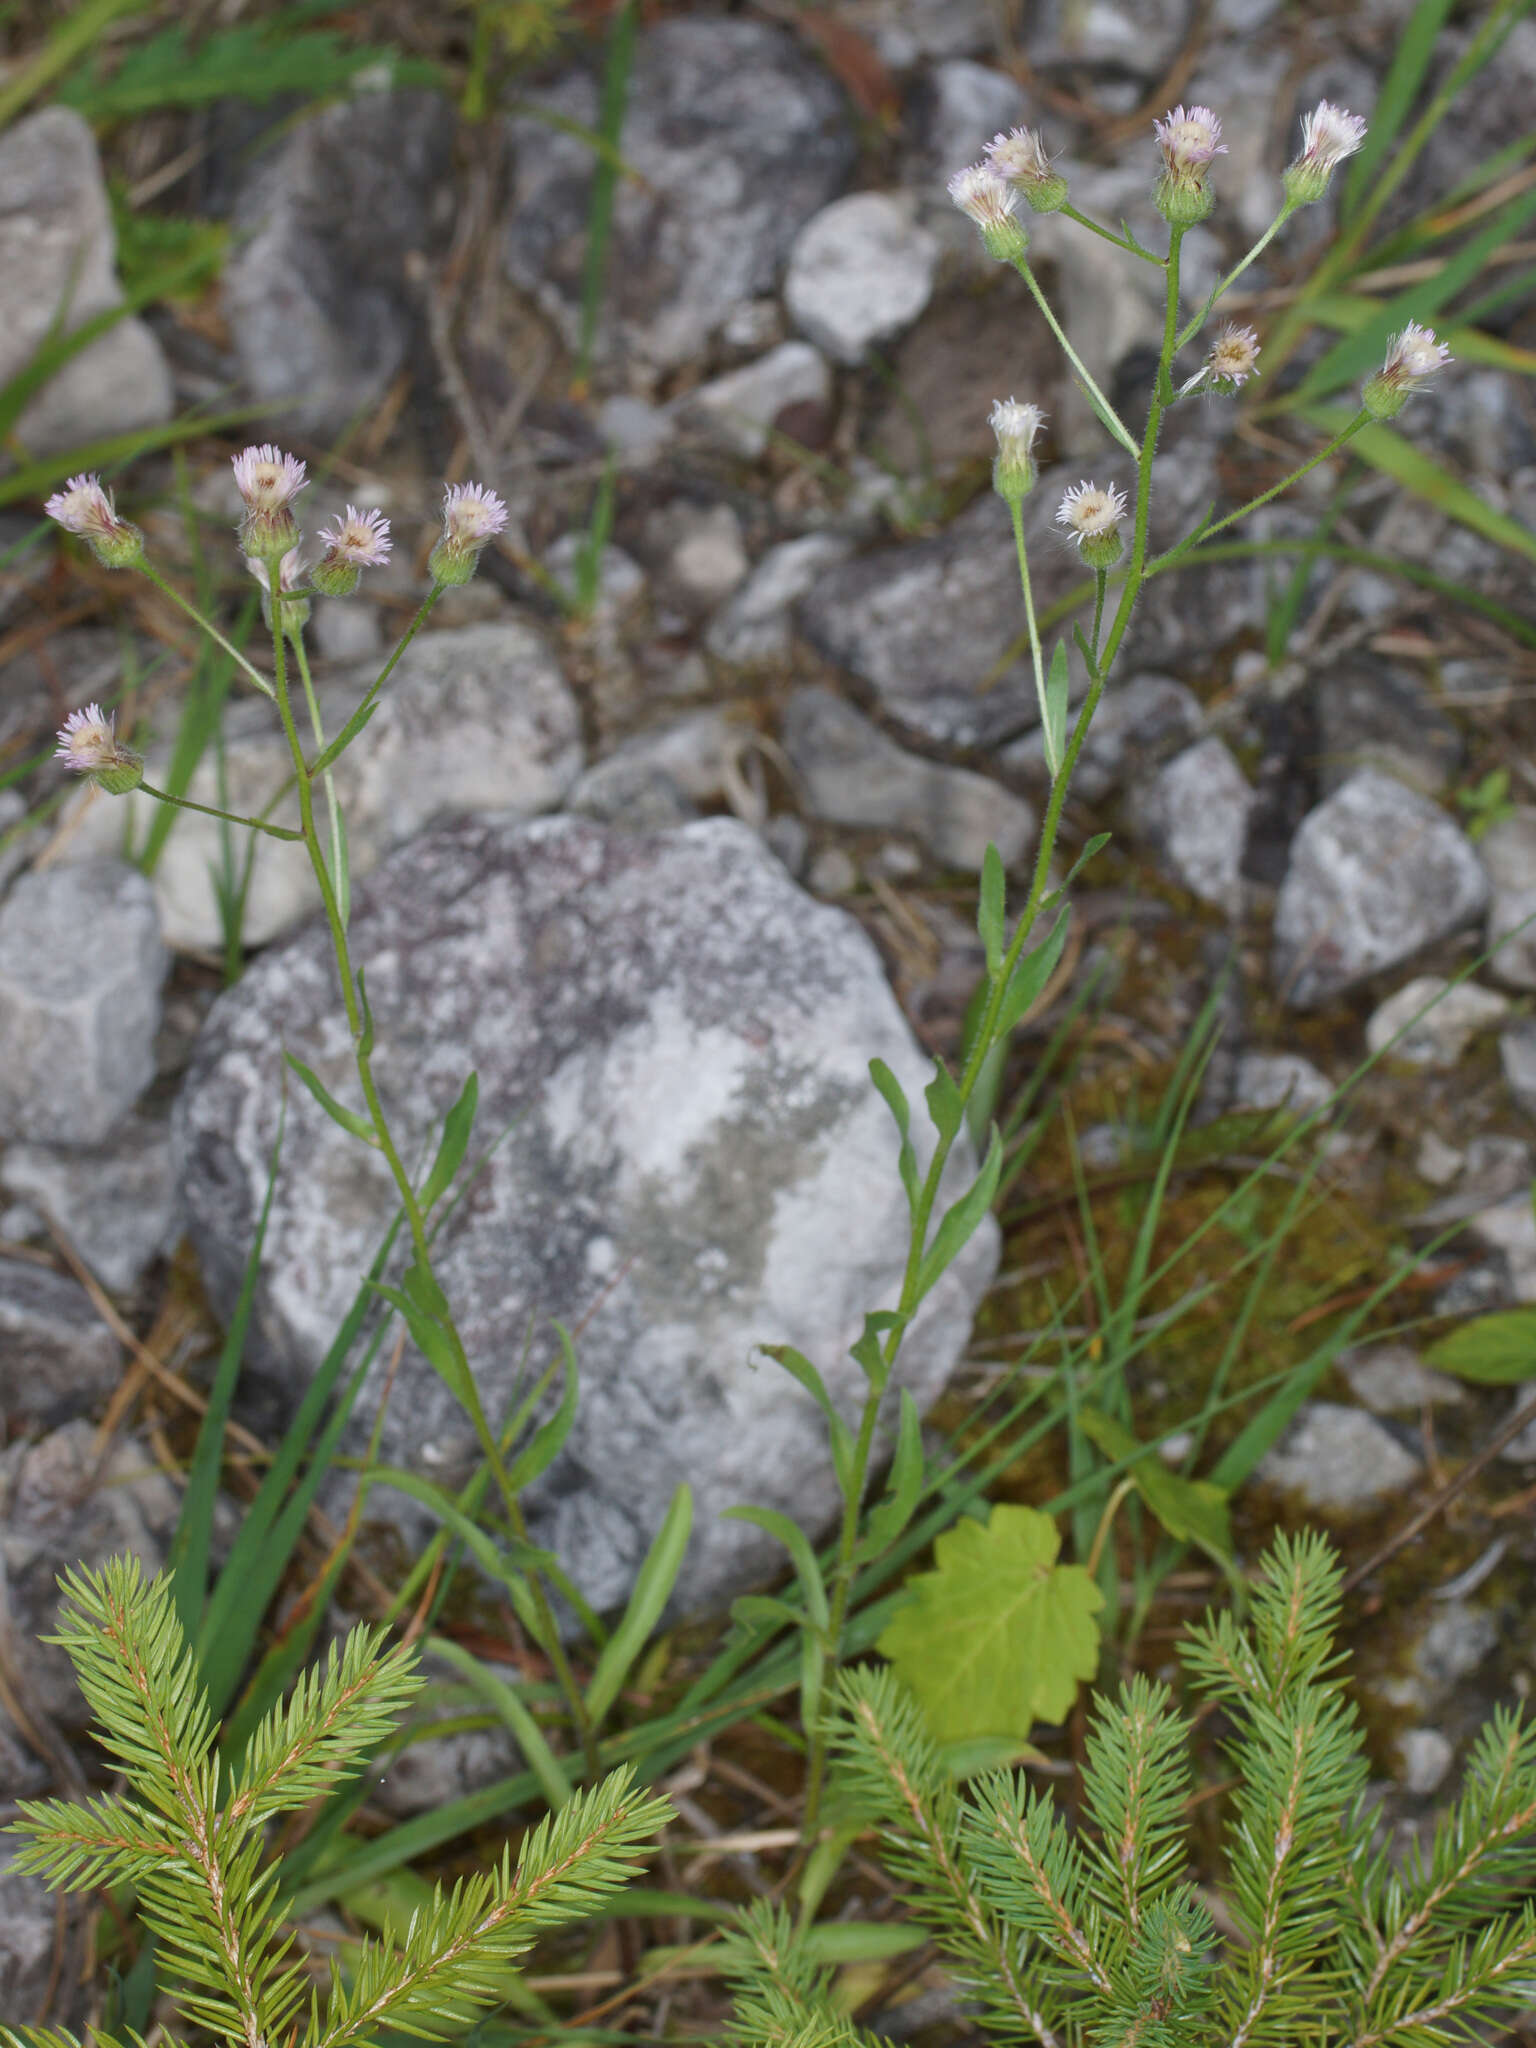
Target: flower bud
pixel 88 743
pixel 84 507
pixel 1412 357
pixel 1328 135
pixel 1233 358
pixel 1019 159
pixel 1015 425
pixel 360 541
pixel 1190 141
pixel 1092 517
pixel 268 481
pixel 472 515
pixel 984 197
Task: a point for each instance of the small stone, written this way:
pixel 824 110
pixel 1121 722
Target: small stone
pixel 756 628
pixel 737 411
pixel 634 430
pixel 1517 1056
pixel 342 630
pixel 706 556
pixel 618 586
pixel 81 964
pixel 1453 1645
pixel 1196 813
pixel 317 293
pixel 57 1357
pixel 1425 1757
pixel 1441 1036
pixel 860 273
pixel 1508 850
pixel 1437 1162
pixel 1389 1379
pixel 853 775
pixel 1280 1080
pixel 58 263
pixel 1338 1461
pixel 833 872
pixel 969 104
pixel 1510 1228
pixel 1377 872
pixel 788 839
pixel 633 793
pixel 116 1203
pixel 1493 1168
pixel 1521 1449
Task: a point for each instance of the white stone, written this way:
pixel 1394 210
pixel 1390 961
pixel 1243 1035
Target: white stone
pixel 737 411
pixel 1441 1036
pixel 860 272
pixel 1509 1227
pixel 1338 1461
pixel 970 104
pixel 116 1202
pixel 81 964
pixel 1280 1080
pixel 1390 1379
pixel 58 258
pixel 1508 851
pixel 709 556
pixel 1197 812
pixel 1425 1756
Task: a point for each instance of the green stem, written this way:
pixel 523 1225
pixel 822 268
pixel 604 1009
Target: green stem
pixel 361 715
pixel 339 869
pixel 1100 583
pixel 185 803
pixel 1176 554
pixel 1094 227
pixel 1101 405
pixel 1016 508
pixel 1220 290
pixel 169 590
pixel 415 1218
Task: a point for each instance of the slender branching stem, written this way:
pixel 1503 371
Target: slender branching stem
pixel 169 590
pixel 1095 227
pixel 1101 404
pixel 185 803
pixel 1218 291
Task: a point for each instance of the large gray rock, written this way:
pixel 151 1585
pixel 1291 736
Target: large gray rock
pixel 81 964
pixel 116 1203
pixel 852 774
pixel 58 255
pixel 57 1357
pixel 317 295
pixel 1377 872
pixel 59 1509
pixel 736 136
pixel 477 718
pixel 673 1041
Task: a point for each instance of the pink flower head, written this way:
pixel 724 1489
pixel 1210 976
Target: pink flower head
pixel 88 738
pixel 88 744
pixel 266 478
pixel 1328 135
pixel 360 541
pixel 989 200
pixel 1019 159
pixel 1190 139
pixel 472 515
pixel 1089 513
pixel 268 481
pixel 85 507
pixel 1412 357
pixel 1234 356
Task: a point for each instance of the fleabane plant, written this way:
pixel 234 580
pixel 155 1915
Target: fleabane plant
pixel 192 1831
pixel 270 483
pixel 1093 1929
pixel 1109 527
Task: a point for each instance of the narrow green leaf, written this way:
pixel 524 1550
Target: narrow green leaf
pixel 1491 1351
pixel 1057 686
pixel 860 1941
pixel 1191 1510
pixel 905 1484
pixel 1395 457
pixel 962 1219
pixel 796 1542
pixel 349 1119
pixel 1029 978
pixel 457 1127
pixel 891 1093
pixel 800 1368
pixel 652 1590
pixel 1411 60
pixel 512 1712
pixel 435 1345
pixel 945 1107
pixel 991 908
pixel 548 1440
pixel 869 1346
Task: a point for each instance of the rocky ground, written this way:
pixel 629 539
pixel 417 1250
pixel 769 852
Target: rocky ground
pixel 669 867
